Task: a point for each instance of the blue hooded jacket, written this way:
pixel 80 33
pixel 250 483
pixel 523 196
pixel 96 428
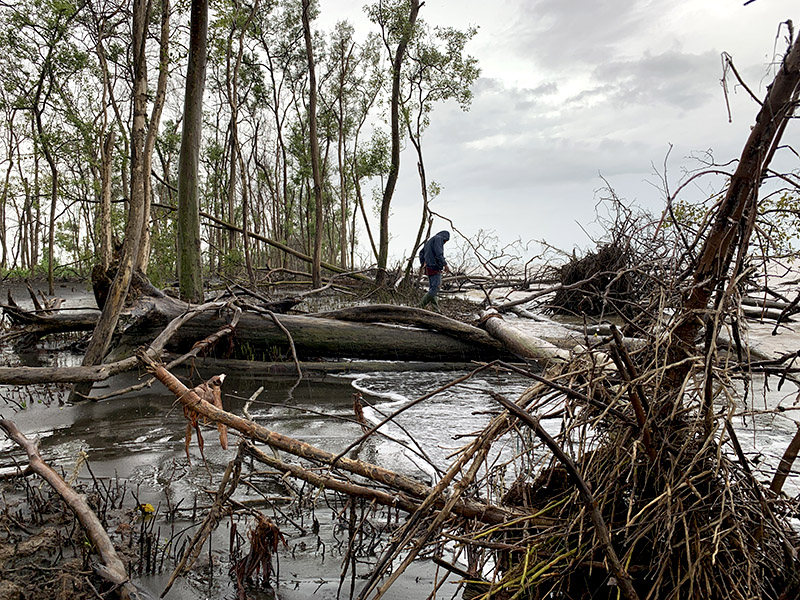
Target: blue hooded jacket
pixel 432 252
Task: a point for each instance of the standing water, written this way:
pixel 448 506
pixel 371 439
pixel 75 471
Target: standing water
pixel 135 443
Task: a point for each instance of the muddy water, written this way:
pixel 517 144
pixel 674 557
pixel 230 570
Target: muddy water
pixel 138 440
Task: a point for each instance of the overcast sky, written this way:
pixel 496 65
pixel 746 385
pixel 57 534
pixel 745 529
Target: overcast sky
pixel 572 90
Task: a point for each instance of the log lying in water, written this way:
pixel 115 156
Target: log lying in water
pixel 43 323
pixel 520 342
pixel 314 336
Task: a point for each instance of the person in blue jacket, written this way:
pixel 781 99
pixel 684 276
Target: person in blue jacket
pixel 432 261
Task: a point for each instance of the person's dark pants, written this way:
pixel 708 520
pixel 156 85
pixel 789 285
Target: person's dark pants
pixel 434 282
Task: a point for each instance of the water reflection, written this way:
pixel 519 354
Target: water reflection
pixel 139 438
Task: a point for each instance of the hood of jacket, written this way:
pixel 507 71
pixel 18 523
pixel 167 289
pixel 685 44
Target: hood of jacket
pixel 432 252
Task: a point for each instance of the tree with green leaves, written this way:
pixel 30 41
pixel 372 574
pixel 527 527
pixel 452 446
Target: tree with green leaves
pixel 438 69
pixel 396 19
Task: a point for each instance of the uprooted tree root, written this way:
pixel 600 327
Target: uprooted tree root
pixel 594 281
pixel 689 520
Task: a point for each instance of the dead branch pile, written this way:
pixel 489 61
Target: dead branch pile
pixel 591 282
pixel 627 264
pixel 685 515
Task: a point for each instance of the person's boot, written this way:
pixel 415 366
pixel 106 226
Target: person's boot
pixel 435 302
pixel 425 300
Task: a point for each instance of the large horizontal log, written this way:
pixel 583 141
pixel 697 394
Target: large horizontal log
pixel 418 317
pixel 313 337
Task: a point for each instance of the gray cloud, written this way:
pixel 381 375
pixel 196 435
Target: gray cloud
pixel 573 90
pixel 672 78
pixel 559 33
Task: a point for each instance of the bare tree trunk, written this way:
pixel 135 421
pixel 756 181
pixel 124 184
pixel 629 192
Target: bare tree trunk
pixel 394 171
pixel 232 86
pixel 731 223
pixel 342 182
pixel 316 274
pixel 51 229
pixel 106 246
pixel 4 196
pixel 190 267
pixel 143 256
pixel 103 332
pixel 423 181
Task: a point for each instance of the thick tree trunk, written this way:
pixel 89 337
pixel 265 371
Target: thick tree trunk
pixel 405 315
pixel 394 170
pixel 520 342
pixel 732 223
pixel 190 266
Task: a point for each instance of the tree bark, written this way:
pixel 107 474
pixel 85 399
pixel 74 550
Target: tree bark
pixel 406 315
pixel 731 222
pixel 190 272
pixel 520 343
pixel 143 254
pixel 316 169
pixel 101 337
pixel 394 171
pixel 106 243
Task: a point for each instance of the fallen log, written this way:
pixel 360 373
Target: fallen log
pixel 468 508
pixel 46 322
pixel 407 315
pixel 258 337
pixel 113 568
pixel 521 343
pixel 89 374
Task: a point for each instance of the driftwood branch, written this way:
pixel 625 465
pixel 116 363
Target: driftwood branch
pixel 114 570
pixel 253 431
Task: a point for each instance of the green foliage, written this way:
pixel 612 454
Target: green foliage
pixel 163 251
pixel 392 16
pixel 373 158
pixel 777 222
pixel 51 73
pixel 17 273
pixel 438 69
